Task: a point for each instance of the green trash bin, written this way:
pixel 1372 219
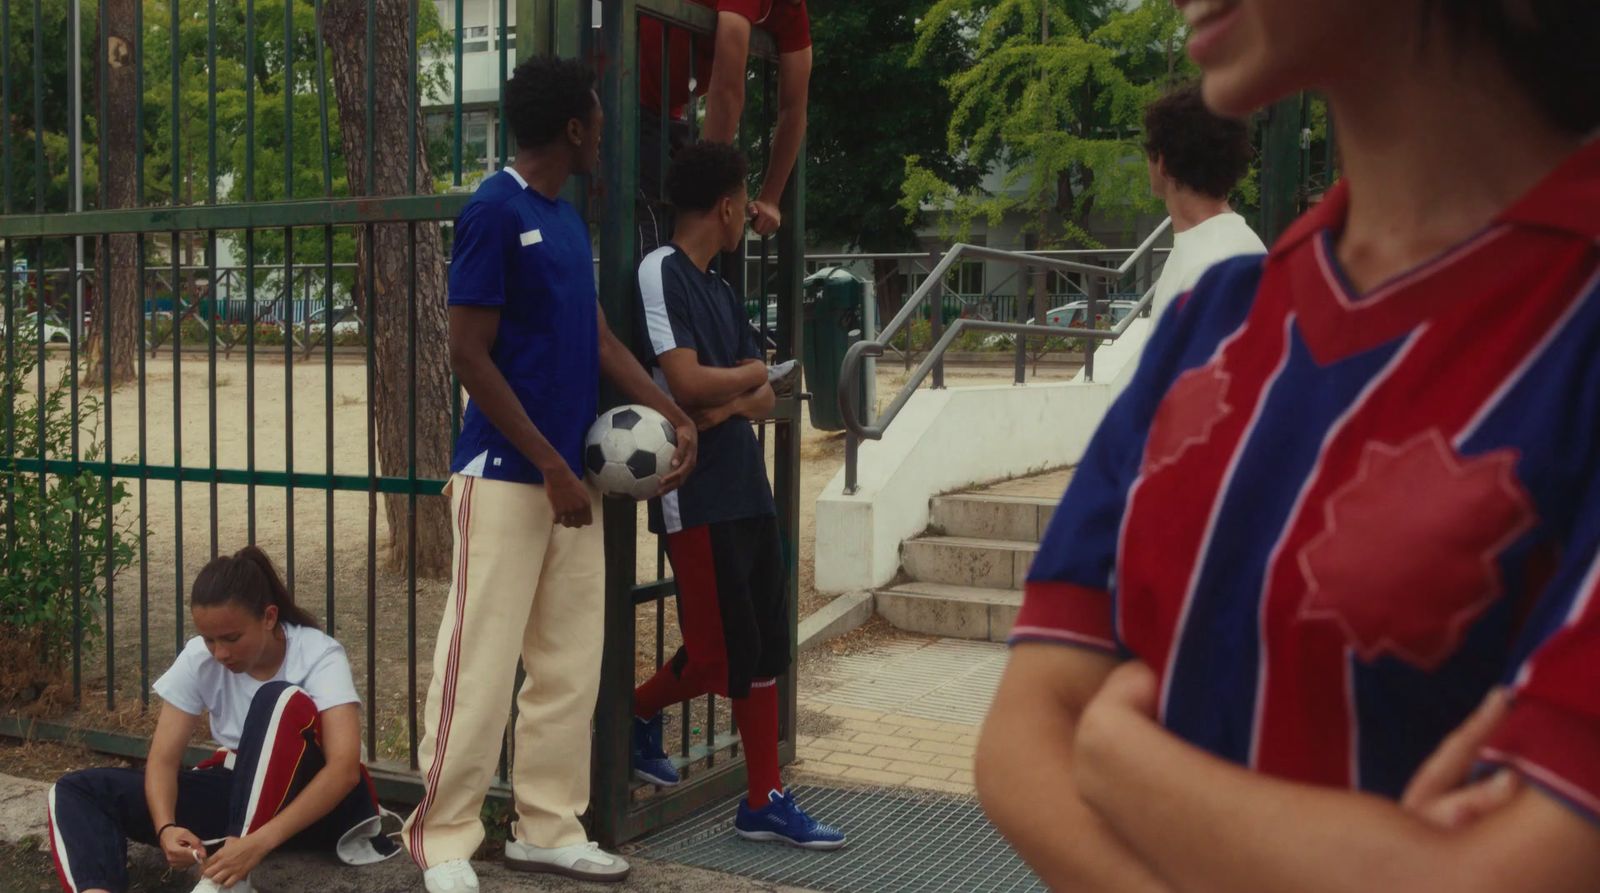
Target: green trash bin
pixel 834 301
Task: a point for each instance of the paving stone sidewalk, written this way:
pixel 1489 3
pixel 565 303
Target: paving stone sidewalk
pixel 905 714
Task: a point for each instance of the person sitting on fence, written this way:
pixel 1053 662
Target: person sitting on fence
pixel 288 772
pixel 717 70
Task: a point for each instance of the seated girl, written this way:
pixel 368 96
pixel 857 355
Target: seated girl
pixel 288 772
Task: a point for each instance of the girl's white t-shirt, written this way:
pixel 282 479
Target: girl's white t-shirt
pixel 312 659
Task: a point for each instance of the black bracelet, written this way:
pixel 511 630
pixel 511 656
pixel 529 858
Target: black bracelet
pixel 163 829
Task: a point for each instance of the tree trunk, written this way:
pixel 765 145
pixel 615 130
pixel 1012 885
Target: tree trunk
pixel 394 260
pixel 117 275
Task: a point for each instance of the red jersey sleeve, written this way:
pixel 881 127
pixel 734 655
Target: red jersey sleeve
pixel 1552 733
pixel 1068 595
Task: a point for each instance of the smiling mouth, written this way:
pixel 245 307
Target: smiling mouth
pixel 1200 13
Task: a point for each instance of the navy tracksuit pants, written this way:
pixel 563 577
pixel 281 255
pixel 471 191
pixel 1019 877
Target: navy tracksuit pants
pixel 94 813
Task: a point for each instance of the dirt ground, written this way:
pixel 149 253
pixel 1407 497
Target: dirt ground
pixel 338 542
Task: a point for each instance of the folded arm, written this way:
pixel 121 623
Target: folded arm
pixel 1205 824
pixel 703 387
pixel 1025 772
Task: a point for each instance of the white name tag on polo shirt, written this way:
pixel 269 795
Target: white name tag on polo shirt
pixel 532 237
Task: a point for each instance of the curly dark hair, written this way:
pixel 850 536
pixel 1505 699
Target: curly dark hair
pixel 543 94
pixel 1200 150
pixel 1548 46
pixel 703 174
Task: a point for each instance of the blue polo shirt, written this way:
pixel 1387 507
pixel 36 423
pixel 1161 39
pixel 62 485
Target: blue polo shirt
pixel 683 306
pixel 529 257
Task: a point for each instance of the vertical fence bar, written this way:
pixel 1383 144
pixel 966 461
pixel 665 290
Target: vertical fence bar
pixel 10 284
pixel 370 150
pixel 211 260
pixel 177 322
pixel 41 374
pixel 106 323
pixel 250 262
pixel 288 406
pixel 619 92
pixel 288 306
pixel 329 613
pixel 144 483
pixel 412 115
pixel 73 331
pixel 455 81
pixel 39 178
pixel 791 273
pixel 5 142
pixel 500 53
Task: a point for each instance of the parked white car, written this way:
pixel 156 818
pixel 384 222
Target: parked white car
pixel 28 329
pixel 345 321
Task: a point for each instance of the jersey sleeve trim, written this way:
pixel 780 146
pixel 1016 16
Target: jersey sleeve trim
pixel 653 296
pixel 1065 613
pixel 1555 750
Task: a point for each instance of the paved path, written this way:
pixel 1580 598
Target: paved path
pixel 906 714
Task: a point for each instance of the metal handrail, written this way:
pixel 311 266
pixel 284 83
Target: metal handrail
pixel 852 368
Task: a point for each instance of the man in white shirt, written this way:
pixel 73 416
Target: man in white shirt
pixel 1196 159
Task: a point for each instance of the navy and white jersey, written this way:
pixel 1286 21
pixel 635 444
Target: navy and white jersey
pixel 529 257
pixel 684 307
pixel 1330 521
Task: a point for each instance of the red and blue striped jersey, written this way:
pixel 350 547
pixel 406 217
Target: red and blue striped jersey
pixel 1330 522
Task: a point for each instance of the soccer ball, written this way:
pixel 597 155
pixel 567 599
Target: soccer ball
pixel 628 450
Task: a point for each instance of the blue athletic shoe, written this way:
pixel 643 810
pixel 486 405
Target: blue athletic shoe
pixel 650 763
pixel 783 820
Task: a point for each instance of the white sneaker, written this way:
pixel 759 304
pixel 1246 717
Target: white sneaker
pixel 455 876
pixel 583 861
pixel 207 885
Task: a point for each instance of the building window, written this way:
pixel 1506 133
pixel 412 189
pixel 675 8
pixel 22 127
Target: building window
pixel 475 151
pixel 965 278
pixel 1066 285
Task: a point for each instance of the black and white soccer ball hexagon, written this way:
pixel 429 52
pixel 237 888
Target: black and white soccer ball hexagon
pixel 629 450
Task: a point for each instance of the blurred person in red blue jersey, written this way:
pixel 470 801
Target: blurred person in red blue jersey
pixel 1319 609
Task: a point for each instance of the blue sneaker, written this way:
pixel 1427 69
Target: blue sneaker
pixel 650 763
pixel 782 820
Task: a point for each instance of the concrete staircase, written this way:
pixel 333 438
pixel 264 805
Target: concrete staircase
pixel 964 575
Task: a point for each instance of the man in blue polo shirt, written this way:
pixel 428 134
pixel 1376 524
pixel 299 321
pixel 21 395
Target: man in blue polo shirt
pixel 721 527
pixel 529 344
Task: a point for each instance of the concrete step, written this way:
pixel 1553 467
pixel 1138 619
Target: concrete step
pixel 968 561
pixel 958 612
pixel 992 516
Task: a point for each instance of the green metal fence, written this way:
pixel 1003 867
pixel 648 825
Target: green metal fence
pixel 263 174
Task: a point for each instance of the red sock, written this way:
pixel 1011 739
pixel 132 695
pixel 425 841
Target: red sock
pixel 662 690
pixel 757 718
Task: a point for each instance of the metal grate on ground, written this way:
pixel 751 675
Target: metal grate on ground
pixel 900 842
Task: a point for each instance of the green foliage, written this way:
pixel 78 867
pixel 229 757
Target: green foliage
pixel 869 108
pixel 255 158
pixel 1052 100
pixel 60 534
pixel 259 157
pixel 49 82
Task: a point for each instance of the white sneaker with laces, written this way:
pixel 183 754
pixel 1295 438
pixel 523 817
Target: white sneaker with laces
pixel 207 885
pixel 583 861
pixel 455 876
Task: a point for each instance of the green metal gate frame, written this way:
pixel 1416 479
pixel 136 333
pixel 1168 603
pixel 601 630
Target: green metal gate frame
pixel 618 815
pixel 563 27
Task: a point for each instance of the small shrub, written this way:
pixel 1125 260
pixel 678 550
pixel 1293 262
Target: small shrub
pixel 58 532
